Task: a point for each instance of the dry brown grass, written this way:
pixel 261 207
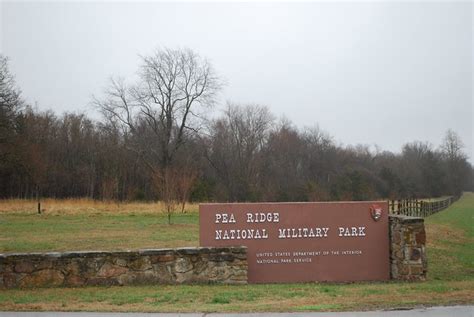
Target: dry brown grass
pixel 85 206
pixel 442 232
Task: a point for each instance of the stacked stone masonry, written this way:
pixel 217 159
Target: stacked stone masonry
pixel 407 248
pixel 160 266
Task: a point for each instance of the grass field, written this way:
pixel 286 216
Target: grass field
pixel 450 236
pixel 82 224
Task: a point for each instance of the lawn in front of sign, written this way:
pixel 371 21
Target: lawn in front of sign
pixel 72 225
pixel 450 241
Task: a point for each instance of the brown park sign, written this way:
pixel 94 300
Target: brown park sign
pixel 302 242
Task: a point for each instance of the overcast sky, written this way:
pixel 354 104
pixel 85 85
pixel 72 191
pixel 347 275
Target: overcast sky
pixel 383 73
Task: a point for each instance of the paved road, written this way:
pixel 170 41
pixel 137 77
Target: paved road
pixel 458 311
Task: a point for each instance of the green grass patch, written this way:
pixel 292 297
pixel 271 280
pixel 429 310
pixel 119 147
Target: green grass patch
pixel 322 307
pixel 33 233
pixel 374 291
pixel 450 241
pixel 220 299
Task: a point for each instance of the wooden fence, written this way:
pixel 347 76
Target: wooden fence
pixel 419 208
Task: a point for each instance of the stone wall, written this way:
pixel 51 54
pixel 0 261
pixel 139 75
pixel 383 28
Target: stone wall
pixel 187 265
pixel 160 266
pixel 407 248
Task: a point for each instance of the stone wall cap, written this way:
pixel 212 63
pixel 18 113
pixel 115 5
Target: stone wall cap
pixel 75 254
pixel 406 219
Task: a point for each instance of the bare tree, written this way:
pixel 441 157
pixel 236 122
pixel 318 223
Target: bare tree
pixel 284 177
pixel 163 107
pixel 10 100
pixel 452 146
pixel 186 179
pixel 235 150
pixel 456 165
pixel 10 104
pixel 167 186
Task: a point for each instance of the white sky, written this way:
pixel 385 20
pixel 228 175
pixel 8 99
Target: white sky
pixel 383 73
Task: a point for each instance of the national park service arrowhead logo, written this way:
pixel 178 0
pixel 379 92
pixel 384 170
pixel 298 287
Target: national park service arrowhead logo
pixel 376 212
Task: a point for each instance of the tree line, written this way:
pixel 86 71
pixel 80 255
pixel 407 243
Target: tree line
pixel 155 141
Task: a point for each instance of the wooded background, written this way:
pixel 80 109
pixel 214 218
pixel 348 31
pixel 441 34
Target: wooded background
pixel 166 153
